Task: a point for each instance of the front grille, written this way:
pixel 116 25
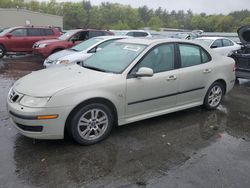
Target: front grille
pixel 14 96
pixel 35 128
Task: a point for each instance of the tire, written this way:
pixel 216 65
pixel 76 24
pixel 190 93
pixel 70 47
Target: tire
pixel 2 51
pixel 214 96
pixel 85 127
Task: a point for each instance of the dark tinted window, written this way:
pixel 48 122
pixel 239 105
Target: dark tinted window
pixel 190 55
pixel 159 59
pixel 217 43
pixel 130 34
pixel 227 42
pixel 80 36
pixel 34 32
pixel 19 32
pixel 96 34
pixel 140 34
pixel 48 32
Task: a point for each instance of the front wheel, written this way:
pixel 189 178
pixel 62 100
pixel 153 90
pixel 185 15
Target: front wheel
pixel 214 96
pixel 2 51
pixel 91 124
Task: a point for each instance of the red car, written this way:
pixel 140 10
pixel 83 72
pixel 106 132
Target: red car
pixel 46 47
pixel 21 39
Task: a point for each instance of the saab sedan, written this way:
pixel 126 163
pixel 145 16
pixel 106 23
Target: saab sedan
pixel 128 81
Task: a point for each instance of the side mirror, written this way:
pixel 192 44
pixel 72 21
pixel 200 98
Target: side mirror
pixel 144 72
pixel 214 46
pixel 73 40
pixel 9 35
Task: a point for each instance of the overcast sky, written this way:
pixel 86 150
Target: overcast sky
pixel 197 6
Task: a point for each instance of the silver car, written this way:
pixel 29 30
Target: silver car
pixel 81 51
pixel 127 81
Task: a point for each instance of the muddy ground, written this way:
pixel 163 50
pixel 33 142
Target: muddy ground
pixel 191 148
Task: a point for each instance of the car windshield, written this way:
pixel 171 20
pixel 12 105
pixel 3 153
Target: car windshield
pixel 5 31
pixel 115 57
pixel 207 42
pixel 86 44
pixel 66 35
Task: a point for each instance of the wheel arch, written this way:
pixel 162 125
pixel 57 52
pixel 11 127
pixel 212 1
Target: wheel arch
pixel 223 82
pixel 57 49
pixel 105 101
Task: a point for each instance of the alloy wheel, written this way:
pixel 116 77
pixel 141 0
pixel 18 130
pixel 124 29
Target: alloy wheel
pixel 92 124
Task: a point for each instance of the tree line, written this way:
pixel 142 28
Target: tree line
pixel 116 16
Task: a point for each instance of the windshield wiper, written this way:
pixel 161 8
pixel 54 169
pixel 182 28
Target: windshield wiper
pixel 94 68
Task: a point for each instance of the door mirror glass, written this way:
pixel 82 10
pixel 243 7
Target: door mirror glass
pixel 144 72
pixel 214 46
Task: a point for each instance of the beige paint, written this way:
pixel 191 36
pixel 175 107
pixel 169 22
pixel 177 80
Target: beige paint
pixel 20 17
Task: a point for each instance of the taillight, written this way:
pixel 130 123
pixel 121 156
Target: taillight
pixel 234 67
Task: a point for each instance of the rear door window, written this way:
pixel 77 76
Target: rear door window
pixel 227 42
pixel 34 32
pixel 190 55
pixel 48 32
pixel 19 32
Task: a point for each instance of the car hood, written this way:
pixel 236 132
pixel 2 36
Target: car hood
pixel 47 82
pixel 244 34
pixel 48 41
pixel 77 56
pixel 61 54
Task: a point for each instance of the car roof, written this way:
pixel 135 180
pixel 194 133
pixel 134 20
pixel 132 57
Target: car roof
pixel 41 27
pixel 149 41
pixel 212 38
pixel 107 37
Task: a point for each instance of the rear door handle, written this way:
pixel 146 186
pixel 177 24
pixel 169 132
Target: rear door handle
pixel 172 77
pixel 207 71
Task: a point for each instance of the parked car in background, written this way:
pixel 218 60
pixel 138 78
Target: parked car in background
pixel 222 45
pixel 81 51
pixel 71 38
pixel 132 33
pixel 127 81
pixel 242 56
pixel 21 39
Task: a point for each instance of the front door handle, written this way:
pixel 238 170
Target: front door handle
pixel 172 77
pixel 207 71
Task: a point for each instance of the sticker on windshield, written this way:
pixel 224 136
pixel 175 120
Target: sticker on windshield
pixel 132 48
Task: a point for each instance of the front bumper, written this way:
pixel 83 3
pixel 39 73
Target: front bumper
pixel 42 52
pixel 27 124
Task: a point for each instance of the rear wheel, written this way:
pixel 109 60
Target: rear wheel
pixel 91 124
pixel 214 96
pixel 2 51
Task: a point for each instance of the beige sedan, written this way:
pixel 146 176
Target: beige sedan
pixel 127 81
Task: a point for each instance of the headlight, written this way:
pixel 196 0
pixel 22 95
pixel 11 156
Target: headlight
pixel 34 101
pixel 62 62
pixel 42 45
